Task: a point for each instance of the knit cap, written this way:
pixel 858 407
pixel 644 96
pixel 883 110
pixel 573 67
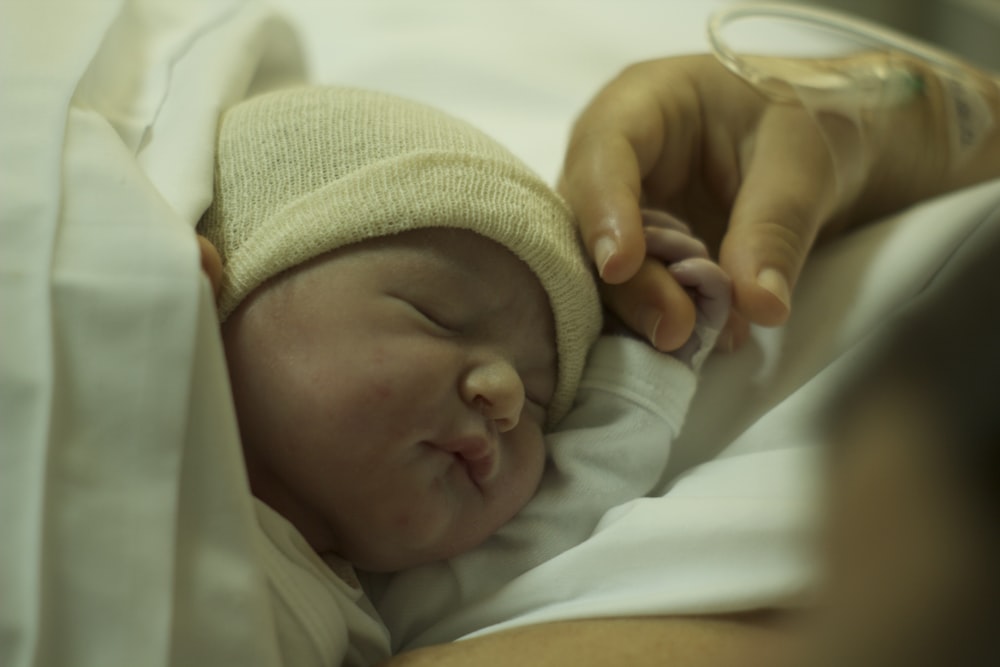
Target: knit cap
pixel 302 171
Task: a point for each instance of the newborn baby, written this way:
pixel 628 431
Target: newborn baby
pixel 405 311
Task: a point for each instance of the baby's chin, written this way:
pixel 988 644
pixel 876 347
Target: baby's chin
pixel 418 544
pixel 402 556
pixel 418 528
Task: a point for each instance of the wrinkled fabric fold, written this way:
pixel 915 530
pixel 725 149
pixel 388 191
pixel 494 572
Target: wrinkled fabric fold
pixel 126 513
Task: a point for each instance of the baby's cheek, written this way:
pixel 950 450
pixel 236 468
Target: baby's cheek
pixel 403 522
pixel 381 392
pixel 528 454
pixel 403 535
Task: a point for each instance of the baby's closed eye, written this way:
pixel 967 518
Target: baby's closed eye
pixel 432 313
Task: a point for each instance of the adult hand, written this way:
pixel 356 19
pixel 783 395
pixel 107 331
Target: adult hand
pixel 756 179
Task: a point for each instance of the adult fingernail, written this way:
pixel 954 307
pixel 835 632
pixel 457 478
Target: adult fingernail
pixel 604 250
pixel 650 319
pixel 774 282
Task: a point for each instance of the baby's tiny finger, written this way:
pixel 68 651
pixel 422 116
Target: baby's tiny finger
pixel 671 245
pixel 654 218
pixel 704 276
pixel 711 287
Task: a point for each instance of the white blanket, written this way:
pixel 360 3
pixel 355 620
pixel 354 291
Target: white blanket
pixel 122 497
pixel 125 511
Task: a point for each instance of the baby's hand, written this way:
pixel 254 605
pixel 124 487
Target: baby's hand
pixel 709 287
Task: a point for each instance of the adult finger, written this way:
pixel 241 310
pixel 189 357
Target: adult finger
pixel 602 185
pixel 615 142
pixel 653 304
pixel 788 191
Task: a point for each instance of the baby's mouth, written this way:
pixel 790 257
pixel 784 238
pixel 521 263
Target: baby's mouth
pixel 478 455
pixel 480 470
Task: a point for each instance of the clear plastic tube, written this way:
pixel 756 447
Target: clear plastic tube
pixel 838 61
pixel 849 75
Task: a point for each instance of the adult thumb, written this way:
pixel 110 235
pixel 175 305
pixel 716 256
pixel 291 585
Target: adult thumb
pixel 789 190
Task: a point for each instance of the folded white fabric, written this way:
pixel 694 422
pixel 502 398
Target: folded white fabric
pixel 126 514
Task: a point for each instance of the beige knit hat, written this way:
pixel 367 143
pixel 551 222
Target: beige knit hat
pixel 302 171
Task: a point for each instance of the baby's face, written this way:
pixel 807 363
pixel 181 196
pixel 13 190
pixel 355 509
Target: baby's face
pixel 391 395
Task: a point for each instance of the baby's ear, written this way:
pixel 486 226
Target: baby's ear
pixel 211 264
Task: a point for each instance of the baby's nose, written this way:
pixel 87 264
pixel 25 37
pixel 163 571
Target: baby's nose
pixel 495 389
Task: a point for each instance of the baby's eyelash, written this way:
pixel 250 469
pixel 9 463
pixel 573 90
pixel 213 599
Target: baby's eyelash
pixel 436 320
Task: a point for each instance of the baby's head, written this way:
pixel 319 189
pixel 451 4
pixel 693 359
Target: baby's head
pixel 405 308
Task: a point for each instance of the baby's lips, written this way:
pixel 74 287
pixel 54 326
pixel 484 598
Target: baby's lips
pixel 477 454
pixel 481 470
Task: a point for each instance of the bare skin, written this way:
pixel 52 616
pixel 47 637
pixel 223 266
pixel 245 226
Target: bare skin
pixel 751 639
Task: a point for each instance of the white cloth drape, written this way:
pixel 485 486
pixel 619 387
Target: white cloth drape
pixel 125 513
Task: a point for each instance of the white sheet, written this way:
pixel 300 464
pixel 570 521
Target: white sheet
pixel 124 507
pixel 125 511
pixel 519 69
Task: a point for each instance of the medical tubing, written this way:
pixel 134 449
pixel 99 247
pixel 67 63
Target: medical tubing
pixel 862 31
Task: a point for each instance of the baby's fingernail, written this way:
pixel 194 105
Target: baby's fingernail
pixel 774 282
pixel 605 248
pixel 650 319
